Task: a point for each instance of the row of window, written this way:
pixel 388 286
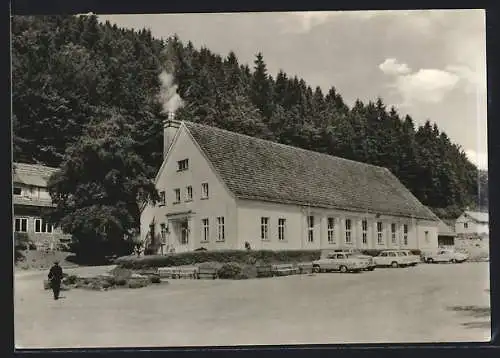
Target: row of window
pixel 188 194
pixel 264 230
pixel 205 224
pixel 41 226
pixel 364 231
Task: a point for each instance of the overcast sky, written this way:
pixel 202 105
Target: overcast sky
pixel 429 64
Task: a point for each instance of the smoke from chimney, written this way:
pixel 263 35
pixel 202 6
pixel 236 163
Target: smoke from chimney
pixel 170 99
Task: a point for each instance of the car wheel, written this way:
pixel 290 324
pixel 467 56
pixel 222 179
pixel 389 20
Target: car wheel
pixel 453 261
pixel 343 269
pixel 394 264
pixel 430 260
pixel 316 269
pixel 371 269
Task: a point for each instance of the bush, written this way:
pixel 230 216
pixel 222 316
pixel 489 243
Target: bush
pixel 21 241
pixel 121 273
pixel 137 283
pixel 223 256
pixel 70 280
pixel 120 282
pixel 210 265
pixel 247 271
pixel 231 270
pixel 155 279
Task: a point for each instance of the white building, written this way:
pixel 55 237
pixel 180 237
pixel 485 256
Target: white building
pixel 221 190
pixel 472 222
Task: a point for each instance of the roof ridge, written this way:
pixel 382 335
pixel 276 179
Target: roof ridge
pixel 33 165
pixel 287 145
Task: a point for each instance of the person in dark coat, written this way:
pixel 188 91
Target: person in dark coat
pixel 55 278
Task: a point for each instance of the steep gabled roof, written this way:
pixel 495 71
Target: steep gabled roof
pixel 478 216
pixel 32 174
pixel 257 169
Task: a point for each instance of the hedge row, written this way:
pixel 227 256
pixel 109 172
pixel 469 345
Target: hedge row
pixel 223 256
pixel 226 256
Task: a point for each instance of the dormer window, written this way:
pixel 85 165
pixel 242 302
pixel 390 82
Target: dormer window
pixel 17 190
pixel 182 165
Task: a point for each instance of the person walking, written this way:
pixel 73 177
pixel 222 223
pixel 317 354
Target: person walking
pixel 55 278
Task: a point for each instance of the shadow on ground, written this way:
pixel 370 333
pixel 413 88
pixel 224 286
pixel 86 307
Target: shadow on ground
pixel 474 312
pixel 479 325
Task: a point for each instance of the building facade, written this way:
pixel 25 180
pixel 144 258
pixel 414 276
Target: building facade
pixel 446 235
pixel 223 190
pixel 472 222
pixel 30 197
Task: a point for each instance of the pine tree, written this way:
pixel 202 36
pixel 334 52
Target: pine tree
pixel 261 90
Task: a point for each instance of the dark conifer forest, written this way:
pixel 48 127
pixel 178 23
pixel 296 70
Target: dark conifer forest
pixel 72 74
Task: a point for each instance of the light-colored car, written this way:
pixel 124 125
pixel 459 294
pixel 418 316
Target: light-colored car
pixel 357 253
pixel 413 260
pixel 340 261
pixel 392 258
pixel 445 255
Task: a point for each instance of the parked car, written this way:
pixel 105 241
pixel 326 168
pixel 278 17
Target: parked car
pixel 392 258
pixel 357 253
pixel 445 255
pixel 413 260
pixel 340 261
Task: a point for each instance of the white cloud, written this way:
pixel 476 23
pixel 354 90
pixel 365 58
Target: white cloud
pixel 304 21
pixel 424 85
pixel 479 159
pixel 392 67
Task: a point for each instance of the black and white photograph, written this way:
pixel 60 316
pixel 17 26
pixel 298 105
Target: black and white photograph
pixel 250 179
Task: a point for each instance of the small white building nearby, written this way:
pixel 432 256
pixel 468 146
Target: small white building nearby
pixel 472 222
pixel 223 190
pixel 30 197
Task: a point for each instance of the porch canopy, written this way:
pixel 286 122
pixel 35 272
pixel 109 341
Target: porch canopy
pixel 179 216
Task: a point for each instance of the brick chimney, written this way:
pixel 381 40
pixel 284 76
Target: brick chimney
pixel 170 128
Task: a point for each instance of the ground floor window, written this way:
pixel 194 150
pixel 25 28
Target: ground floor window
pixel 348 234
pixel 41 226
pixel 380 233
pixel 331 230
pixel 281 229
pixel 21 225
pixel 220 229
pixel 364 231
pixel 310 228
pixel 393 233
pixel 405 234
pixel 184 232
pixel 264 228
pixel 205 228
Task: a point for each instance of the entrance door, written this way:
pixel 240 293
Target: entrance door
pixel 184 232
